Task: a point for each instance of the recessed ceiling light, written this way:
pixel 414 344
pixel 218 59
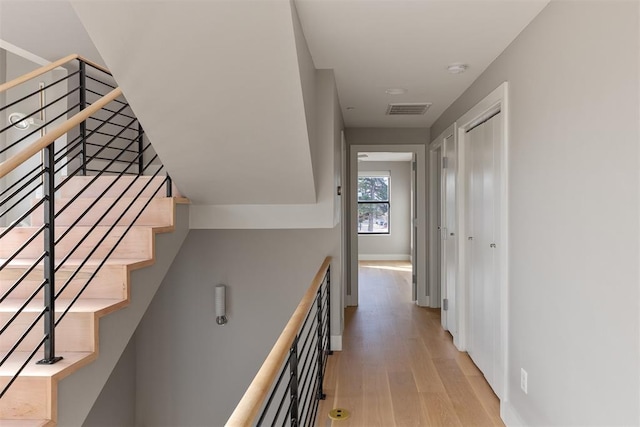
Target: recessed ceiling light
pixel 396 91
pixel 457 68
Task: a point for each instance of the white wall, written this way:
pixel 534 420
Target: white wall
pixel 3 97
pixel 574 208
pixel 192 372
pixel 16 66
pixel 396 244
pixel 385 136
pixel 49 29
pixel 321 214
pixel 245 101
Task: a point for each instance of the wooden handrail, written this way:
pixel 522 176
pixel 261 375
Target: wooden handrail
pixel 17 159
pixel 45 69
pixel 253 399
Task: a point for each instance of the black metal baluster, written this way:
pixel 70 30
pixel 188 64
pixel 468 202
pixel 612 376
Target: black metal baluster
pixel 293 390
pixel 329 351
pixel 320 392
pixel 49 259
pixel 83 125
pixel 140 149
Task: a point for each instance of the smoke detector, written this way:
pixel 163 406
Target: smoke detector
pixel 395 91
pixel 457 68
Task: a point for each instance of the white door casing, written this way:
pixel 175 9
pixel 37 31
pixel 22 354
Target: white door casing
pixel 414 227
pixel 488 342
pixel 435 173
pixel 449 246
pixel 421 245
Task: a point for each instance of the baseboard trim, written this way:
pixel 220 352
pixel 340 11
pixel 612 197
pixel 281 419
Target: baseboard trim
pixel 510 416
pixel 336 342
pixel 384 257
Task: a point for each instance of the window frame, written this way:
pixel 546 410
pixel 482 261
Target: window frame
pixel 375 174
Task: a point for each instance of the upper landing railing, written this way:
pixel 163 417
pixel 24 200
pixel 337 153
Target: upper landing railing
pixel 289 385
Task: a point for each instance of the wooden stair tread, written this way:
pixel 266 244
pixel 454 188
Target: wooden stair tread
pixel 33 229
pixel 156 189
pixel 86 211
pixel 26 423
pixel 69 363
pixel 75 262
pixel 89 305
pixel 31 400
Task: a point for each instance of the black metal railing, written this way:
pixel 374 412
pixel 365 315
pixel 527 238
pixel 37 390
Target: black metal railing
pixel 297 388
pixel 40 259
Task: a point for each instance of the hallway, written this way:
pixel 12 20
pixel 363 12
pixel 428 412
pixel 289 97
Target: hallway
pixel 398 367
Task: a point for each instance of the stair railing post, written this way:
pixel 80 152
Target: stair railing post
pixel 83 104
pixel 140 149
pixel 293 390
pixel 169 186
pixel 321 354
pixel 49 259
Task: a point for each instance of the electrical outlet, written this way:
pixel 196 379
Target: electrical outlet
pixel 523 380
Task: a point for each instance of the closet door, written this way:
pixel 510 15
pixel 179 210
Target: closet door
pixel 475 241
pixel 483 183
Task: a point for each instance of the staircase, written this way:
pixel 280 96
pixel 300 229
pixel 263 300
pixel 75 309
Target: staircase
pixel 80 210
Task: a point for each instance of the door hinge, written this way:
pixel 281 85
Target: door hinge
pixel 413 279
pixel 414 166
pixel 445 162
pixel 445 304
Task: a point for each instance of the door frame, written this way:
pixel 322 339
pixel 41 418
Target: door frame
pixel 352 254
pixel 436 205
pixel 435 233
pixel 497 99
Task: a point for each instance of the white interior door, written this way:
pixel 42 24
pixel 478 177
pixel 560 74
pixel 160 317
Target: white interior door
pixel 483 182
pixel 448 235
pixel 414 229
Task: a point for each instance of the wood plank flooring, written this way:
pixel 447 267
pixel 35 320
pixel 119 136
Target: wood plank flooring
pixel 398 367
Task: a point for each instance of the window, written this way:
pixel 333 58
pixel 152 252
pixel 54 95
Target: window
pixel 373 204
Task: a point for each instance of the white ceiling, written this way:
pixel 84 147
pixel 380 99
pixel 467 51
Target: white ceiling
pixel 228 71
pixel 373 45
pixel 50 29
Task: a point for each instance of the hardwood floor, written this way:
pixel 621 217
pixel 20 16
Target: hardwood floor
pixel 398 366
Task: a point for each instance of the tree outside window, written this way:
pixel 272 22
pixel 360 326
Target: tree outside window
pixel 373 205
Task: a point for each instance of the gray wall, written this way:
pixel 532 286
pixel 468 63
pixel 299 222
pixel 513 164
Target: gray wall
pixel 573 205
pixel 192 372
pixel 116 405
pixel 398 241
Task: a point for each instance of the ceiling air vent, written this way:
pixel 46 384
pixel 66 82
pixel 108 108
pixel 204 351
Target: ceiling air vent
pixel 408 109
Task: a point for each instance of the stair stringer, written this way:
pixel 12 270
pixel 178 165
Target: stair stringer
pixel 77 393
